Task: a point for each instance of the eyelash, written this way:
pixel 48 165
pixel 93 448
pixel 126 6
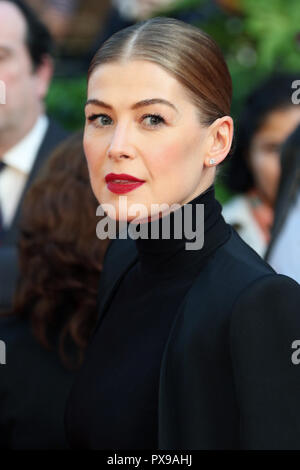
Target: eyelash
pixel 93 117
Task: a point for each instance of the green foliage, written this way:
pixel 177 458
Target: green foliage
pixel 222 192
pixel 274 25
pixel 65 101
pixel 181 5
pixel 263 37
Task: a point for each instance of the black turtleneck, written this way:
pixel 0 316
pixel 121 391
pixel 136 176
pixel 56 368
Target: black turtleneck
pixel 114 402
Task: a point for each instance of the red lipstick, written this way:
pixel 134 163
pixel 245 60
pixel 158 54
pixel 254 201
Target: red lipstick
pixel 122 183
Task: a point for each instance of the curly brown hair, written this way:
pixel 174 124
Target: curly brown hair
pixel 60 255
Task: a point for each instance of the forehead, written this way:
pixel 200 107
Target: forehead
pixel 134 79
pixel 12 25
pixel 280 122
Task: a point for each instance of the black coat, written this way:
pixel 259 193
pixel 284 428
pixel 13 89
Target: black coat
pixel 9 238
pixel 227 379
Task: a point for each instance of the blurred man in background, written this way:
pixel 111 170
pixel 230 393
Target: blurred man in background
pixel 27 135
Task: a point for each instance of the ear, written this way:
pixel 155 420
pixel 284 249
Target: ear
pixel 219 141
pixel 43 76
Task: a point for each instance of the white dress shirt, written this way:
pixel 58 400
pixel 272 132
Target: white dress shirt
pixel 285 255
pixel 19 161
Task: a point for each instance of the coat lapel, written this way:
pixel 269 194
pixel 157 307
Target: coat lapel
pixel 122 256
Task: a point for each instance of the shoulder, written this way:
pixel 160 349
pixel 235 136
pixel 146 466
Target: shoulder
pixel 13 329
pixel 204 316
pixel 267 311
pixel 233 267
pixel 55 134
pixel 264 347
pixel 55 131
pixel 237 287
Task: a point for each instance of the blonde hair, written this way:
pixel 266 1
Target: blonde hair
pixel 184 51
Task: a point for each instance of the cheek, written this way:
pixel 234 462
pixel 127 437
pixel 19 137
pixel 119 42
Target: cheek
pixel 274 172
pixel 8 71
pixel 17 76
pixel 270 167
pixel 94 151
pixel 274 168
pixel 94 166
pixel 177 162
pixel 266 168
pixel 168 158
pixel 13 85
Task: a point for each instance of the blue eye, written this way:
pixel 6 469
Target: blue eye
pixel 154 120
pixel 102 120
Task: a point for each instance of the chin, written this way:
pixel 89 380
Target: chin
pixel 116 213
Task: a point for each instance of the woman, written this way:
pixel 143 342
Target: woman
pixel 55 303
pixel 185 353
pixel 254 169
pixel 284 250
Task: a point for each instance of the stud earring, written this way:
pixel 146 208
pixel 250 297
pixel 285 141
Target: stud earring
pixel 212 161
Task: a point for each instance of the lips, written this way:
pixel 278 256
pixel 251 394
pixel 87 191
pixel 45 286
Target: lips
pixel 122 183
pixel 122 178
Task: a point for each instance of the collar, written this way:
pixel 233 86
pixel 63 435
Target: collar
pixel 22 155
pixel 169 257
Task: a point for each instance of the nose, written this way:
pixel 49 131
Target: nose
pixel 121 145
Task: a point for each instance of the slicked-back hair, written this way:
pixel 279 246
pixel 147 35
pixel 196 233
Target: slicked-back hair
pixel 187 53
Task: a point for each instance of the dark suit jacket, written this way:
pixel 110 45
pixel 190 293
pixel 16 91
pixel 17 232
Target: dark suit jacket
pixel 227 379
pixel 34 386
pixel 8 254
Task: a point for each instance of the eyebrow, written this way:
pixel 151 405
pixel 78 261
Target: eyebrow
pixel 140 104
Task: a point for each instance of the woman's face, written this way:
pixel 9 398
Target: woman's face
pixel 264 155
pixel 140 121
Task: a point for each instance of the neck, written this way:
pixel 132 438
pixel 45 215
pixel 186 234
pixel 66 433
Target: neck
pixel 184 238
pixel 11 136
